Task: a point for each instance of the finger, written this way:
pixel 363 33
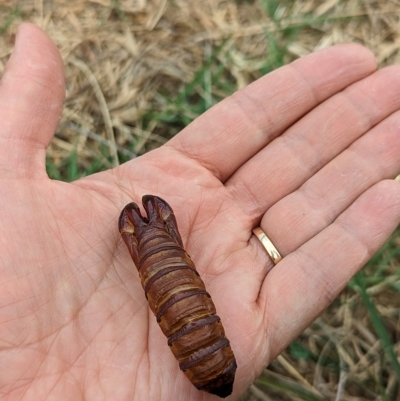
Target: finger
pixel 243 124
pixel 300 287
pixel 304 213
pixel 308 145
pixel 31 96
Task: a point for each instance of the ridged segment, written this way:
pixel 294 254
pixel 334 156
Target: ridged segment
pixel 157 250
pixel 160 265
pixel 203 353
pixel 176 318
pixel 178 297
pixel 163 272
pixel 192 326
pixel 169 285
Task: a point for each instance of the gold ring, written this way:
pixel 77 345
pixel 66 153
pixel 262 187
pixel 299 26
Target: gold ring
pixel 268 245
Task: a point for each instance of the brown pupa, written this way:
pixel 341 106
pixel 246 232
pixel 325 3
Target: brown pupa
pixel 177 296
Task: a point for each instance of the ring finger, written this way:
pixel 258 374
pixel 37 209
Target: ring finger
pixel 317 203
pixel 304 213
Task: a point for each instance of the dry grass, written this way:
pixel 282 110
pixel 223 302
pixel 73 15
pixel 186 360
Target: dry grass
pixel 138 71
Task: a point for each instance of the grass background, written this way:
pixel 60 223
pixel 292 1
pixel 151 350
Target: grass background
pixel 138 71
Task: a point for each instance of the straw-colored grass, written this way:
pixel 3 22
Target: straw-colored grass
pixel 138 71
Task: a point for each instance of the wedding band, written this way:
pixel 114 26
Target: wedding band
pixel 268 245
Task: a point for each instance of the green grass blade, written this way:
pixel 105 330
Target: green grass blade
pixel 198 78
pixel 72 167
pixel 53 170
pixel 377 323
pixel 13 14
pixel 275 381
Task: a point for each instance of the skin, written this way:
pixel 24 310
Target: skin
pixel 307 152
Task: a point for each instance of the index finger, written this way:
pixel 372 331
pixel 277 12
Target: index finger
pixel 233 131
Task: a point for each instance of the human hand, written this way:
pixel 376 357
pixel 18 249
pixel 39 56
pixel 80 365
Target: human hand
pixel 305 152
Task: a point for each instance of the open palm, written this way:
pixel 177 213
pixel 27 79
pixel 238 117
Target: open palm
pixel 304 152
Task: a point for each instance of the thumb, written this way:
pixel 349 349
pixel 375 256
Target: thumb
pixel 31 97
